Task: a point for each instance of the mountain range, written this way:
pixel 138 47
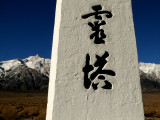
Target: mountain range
pixel 150 77
pixel 32 73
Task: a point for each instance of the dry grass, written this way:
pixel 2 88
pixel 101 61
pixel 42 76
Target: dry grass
pixel 32 106
pixel 152 106
pixel 22 106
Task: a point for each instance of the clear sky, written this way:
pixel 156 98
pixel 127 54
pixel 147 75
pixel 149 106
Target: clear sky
pixel 26 28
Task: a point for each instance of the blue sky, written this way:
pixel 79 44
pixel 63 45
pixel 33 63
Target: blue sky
pixel 26 28
pixel 147 28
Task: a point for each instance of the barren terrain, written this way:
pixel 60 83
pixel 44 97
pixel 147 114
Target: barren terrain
pixel 22 106
pixel 32 105
pixel 151 103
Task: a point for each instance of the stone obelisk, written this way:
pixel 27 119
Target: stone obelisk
pixel 94 68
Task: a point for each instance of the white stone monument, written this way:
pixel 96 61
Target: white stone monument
pixel 94 68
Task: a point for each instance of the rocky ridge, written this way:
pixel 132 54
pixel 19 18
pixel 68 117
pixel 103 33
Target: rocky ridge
pixel 150 77
pixel 32 73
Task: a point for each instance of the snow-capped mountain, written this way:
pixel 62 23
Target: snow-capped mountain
pixel 37 63
pixel 150 77
pixel 32 73
pixel 26 74
pixel 150 68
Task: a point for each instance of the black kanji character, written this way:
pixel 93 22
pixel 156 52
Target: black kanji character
pixel 98 35
pixel 86 71
pixel 100 63
pixel 97 13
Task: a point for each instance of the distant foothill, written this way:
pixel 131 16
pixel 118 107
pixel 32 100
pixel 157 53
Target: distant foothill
pixel 32 73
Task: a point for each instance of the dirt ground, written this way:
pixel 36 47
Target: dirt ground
pixel 22 106
pixel 32 105
pixel 151 103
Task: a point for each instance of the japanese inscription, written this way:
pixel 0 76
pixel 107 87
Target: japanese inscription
pixel 98 36
pixel 100 63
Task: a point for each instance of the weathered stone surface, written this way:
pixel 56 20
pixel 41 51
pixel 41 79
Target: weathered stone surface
pixel 68 98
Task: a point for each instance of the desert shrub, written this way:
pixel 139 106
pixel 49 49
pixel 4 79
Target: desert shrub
pixel 42 115
pixel 21 106
pixel 34 111
pixel 29 112
pixel 9 113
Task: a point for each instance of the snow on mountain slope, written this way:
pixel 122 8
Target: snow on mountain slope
pixel 37 63
pixel 150 77
pixel 42 65
pixel 33 73
pixel 150 69
pixel 7 65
